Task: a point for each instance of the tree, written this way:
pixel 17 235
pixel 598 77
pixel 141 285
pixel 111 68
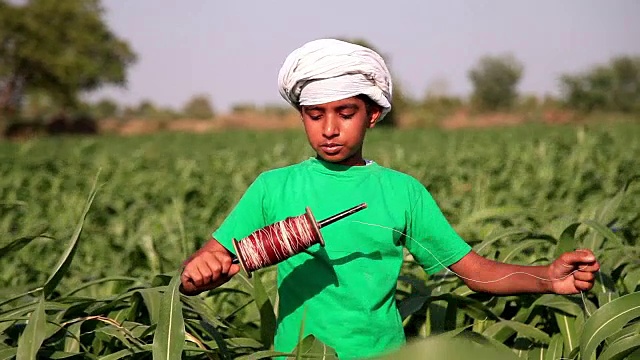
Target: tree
pixel 198 107
pixel 495 80
pixel 611 87
pixel 147 110
pixel 59 47
pixel 626 80
pixel 38 105
pixel 105 108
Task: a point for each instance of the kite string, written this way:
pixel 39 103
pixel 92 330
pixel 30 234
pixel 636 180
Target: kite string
pixel 486 281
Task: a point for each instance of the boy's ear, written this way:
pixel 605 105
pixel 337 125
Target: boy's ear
pixel 376 112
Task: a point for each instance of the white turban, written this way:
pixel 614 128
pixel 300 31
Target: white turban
pixel 327 70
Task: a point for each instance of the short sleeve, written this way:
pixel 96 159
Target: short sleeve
pixel 432 240
pixel 247 216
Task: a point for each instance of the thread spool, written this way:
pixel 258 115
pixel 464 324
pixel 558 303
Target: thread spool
pixel 279 241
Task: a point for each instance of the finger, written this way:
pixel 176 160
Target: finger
pixel 185 276
pixel 578 257
pixel 590 256
pixel 206 272
pixel 583 285
pixel 584 276
pixel 185 283
pixel 586 252
pixel 190 275
pixel 213 267
pixel 197 278
pixel 225 262
pixel 592 267
pixel 188 289
pixel 199 271
pixel 233 269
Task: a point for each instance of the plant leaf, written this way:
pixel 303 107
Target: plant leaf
pixel 554 351
pixel 34 333
pixel 265 308
pixel 168 340
pixel 621 348
pixel 65 260
pixel 609 318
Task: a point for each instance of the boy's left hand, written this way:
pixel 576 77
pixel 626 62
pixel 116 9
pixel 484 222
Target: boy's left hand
pixel 573 272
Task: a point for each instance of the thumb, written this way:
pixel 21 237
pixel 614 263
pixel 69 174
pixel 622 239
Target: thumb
pixel 234 269
pixel 578 256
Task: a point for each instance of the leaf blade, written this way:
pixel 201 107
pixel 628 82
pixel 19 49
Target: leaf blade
pixel 608 318
pixel 169 338
pixel 65 261
pixel 34 333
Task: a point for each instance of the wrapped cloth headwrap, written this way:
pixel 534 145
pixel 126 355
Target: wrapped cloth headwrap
pixel 327 70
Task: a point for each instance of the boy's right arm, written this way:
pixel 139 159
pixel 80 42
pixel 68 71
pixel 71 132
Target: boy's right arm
pixel 207 268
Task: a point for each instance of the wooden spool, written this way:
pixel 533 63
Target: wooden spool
pixel 313 227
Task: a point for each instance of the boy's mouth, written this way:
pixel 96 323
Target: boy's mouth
pixel 331 148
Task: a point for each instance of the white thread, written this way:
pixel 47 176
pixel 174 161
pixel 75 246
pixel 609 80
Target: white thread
pixel 584 302
pixel 460 276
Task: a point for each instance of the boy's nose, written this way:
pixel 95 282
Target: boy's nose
pixel 331 127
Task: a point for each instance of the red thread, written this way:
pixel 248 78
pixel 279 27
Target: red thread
pixel 278 242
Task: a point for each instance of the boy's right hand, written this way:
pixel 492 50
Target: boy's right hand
pixel 207 269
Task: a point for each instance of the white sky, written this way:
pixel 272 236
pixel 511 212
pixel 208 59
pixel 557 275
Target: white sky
pixel 232 50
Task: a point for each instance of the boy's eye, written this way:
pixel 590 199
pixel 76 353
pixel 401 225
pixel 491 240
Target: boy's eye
pixel 313 114
pixel 347 116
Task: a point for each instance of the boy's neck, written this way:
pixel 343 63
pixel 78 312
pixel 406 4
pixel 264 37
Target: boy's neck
pixel 352 161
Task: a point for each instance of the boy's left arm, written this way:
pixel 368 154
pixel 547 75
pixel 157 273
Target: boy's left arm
pixel 570 273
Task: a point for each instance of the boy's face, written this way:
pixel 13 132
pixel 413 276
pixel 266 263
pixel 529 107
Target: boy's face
pixel 336 130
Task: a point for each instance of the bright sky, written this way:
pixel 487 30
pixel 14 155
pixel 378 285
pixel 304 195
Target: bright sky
pixel 232 50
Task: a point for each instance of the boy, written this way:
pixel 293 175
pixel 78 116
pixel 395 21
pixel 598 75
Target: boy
pixel 347 288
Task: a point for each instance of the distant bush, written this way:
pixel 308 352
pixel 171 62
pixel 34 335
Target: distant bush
pixel 611 87
pixel 495 80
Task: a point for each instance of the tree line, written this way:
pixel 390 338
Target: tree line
pixel 52 52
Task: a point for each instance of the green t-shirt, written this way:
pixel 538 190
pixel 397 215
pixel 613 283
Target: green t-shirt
pixel 347 287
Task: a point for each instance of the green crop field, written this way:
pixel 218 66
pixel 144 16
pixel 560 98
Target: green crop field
pixel 94 230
